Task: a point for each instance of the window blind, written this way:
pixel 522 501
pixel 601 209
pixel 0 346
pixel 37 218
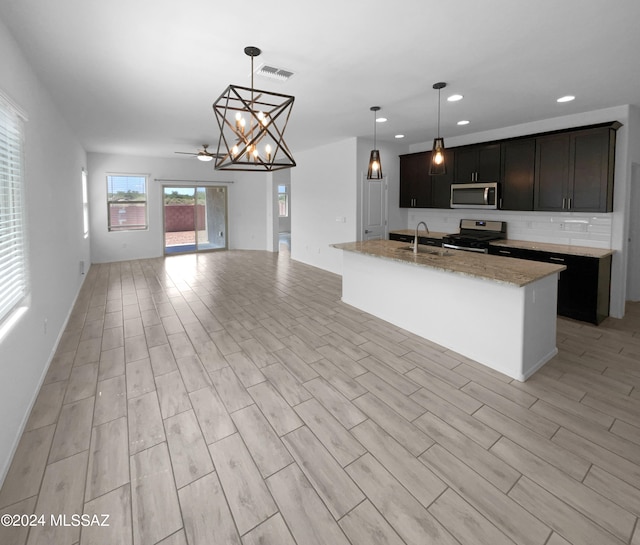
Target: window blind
pixel 13 267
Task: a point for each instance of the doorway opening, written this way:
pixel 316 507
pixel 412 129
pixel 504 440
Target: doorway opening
pixel 284 217
pixel 195 218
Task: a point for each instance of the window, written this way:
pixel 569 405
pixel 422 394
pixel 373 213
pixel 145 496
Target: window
pixel 127 202
pixel 85 204
pixel 283 201
pixel 13 251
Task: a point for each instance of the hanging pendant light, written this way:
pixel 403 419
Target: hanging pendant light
pixel 374 172
pixel 437 166
pixel 252 124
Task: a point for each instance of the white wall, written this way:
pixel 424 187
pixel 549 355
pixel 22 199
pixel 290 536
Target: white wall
pixel 54 160
pixel 324 188
pixel 632 208
pixel 390 162
pixel 247 204
pixel 580 229
pixel 250 211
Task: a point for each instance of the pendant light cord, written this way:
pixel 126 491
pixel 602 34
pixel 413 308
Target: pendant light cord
pixel 374 130
pixel 438 113
pixel 252 87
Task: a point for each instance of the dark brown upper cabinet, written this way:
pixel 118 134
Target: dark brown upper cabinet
pixel 417 188
pixel 517 181
pixel 415 182
pixel 561 171
pixel 477 163
pixel 574 170
pixel 441 185
pixel 592 169
pixel 552 172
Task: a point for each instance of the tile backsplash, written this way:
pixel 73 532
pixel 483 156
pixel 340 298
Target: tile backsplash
pixel 577 229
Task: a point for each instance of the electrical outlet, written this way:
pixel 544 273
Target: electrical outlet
pixel 46 323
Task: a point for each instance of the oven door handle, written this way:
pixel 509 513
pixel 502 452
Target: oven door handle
pixel 486 195
pixel 454 247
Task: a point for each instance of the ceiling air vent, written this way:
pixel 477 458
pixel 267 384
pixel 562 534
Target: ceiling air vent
pixel 273 73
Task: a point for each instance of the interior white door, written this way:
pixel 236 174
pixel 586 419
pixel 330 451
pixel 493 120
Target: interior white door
pixel 374 209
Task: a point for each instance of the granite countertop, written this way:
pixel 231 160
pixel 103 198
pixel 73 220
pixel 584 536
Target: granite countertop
pixel 505 270
pixel 554 248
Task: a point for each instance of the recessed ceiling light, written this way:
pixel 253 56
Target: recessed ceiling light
pixel 566 98
pixel 399 136
pixel 463 122
pixel 455 98
pixel 380 119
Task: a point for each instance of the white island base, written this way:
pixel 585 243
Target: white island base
pixel 506 327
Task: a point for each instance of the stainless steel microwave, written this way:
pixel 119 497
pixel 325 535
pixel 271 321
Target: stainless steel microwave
pixel 478 195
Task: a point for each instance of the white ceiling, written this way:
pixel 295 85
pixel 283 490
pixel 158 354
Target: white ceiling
pixel 139 76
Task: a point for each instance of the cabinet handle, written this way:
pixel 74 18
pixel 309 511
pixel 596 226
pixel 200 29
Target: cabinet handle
pixel 557 259
pixel 569 204
pixel 506 252
pixel 564 202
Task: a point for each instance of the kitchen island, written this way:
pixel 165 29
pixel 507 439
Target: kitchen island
pixel 498 311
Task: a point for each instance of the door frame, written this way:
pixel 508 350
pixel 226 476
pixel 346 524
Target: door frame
pixel 364 205
pixel 196 185
pixel 632 288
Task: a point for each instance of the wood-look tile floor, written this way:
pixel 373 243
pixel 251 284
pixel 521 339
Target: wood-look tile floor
pixel 232 398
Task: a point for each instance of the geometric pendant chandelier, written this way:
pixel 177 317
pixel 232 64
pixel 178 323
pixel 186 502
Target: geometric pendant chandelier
pixel 252 123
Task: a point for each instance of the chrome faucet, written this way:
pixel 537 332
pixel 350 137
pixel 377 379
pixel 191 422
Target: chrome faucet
pixel 415 240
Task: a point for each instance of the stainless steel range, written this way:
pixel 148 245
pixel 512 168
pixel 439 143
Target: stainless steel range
pixel 475 235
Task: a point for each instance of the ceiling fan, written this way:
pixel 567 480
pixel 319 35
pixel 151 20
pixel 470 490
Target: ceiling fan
pixel 202 155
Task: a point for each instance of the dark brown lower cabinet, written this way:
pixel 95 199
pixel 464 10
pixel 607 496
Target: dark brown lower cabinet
pixel 583 288
pixel 427 241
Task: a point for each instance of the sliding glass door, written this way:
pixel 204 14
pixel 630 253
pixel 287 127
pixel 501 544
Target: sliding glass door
pixel 195 218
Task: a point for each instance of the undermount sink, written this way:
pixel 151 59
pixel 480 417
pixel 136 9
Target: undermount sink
pixel 429 250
